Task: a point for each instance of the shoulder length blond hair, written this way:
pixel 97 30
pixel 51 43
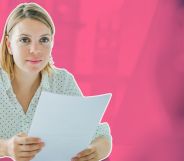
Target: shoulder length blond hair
pixel 22 11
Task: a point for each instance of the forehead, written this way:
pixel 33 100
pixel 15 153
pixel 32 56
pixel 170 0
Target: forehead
pixel 30 27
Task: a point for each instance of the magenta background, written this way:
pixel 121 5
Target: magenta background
pixel 133 49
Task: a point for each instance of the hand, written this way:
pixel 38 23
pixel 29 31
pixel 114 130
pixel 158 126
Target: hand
pixel 89 154
pixel 22 147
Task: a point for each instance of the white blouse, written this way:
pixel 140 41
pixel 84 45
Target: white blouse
pixel 12 117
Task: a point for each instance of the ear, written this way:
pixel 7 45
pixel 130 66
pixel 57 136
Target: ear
pixel 8 44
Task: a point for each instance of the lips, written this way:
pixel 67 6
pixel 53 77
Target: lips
pixel 34 61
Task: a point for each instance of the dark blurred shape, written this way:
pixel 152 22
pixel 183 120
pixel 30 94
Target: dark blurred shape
pixel 181 3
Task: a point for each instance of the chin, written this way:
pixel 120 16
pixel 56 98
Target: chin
pixel 34 70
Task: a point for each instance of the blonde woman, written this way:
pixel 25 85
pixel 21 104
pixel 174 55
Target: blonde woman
pixel 27 70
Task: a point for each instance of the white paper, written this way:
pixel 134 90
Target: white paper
pixel 66 124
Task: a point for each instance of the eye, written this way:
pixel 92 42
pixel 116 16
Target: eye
pixel 44 40
pixel 24 40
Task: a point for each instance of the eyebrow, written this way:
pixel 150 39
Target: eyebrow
pixel 30 35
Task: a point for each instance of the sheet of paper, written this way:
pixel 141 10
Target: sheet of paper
pixel 66 124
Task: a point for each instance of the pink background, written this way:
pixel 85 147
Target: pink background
pixel 133 49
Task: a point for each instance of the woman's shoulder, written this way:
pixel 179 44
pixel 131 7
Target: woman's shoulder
pixel 58 77
pixel 61 76
pixel 1 70
pixel 5 82
pixel 62 81
pixel 60 73
pixel 3 74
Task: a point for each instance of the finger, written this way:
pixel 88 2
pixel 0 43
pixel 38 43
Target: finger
pixel 27 140
pixel 93 159
pixel 88 157
pixel 86 152
pixel 28 154
pixel 28 158
pixel 24 159
pixel 31 147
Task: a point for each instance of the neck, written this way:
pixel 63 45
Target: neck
pixel 26 81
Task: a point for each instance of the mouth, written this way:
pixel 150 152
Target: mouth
pixel 34 61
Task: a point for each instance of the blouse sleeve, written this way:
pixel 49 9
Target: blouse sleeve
pixel 103 129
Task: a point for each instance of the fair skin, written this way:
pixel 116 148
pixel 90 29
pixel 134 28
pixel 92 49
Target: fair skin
pixel 97 150
pixel 30 43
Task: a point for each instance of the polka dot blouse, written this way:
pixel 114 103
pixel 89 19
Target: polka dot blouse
pixel 12 117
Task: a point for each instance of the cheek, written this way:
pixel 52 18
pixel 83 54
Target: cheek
pixel 47 52
pixel 19 51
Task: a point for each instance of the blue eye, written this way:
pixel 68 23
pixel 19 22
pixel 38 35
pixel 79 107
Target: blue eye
pixel 44 40
pixel 24 40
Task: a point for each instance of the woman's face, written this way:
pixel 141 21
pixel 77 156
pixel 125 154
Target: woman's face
pixel 30 42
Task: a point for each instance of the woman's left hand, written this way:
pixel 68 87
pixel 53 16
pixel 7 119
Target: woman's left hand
pixel 89 154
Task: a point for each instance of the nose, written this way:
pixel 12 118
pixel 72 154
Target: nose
pixel 34 48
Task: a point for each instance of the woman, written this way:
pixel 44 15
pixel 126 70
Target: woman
pixel 27 70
